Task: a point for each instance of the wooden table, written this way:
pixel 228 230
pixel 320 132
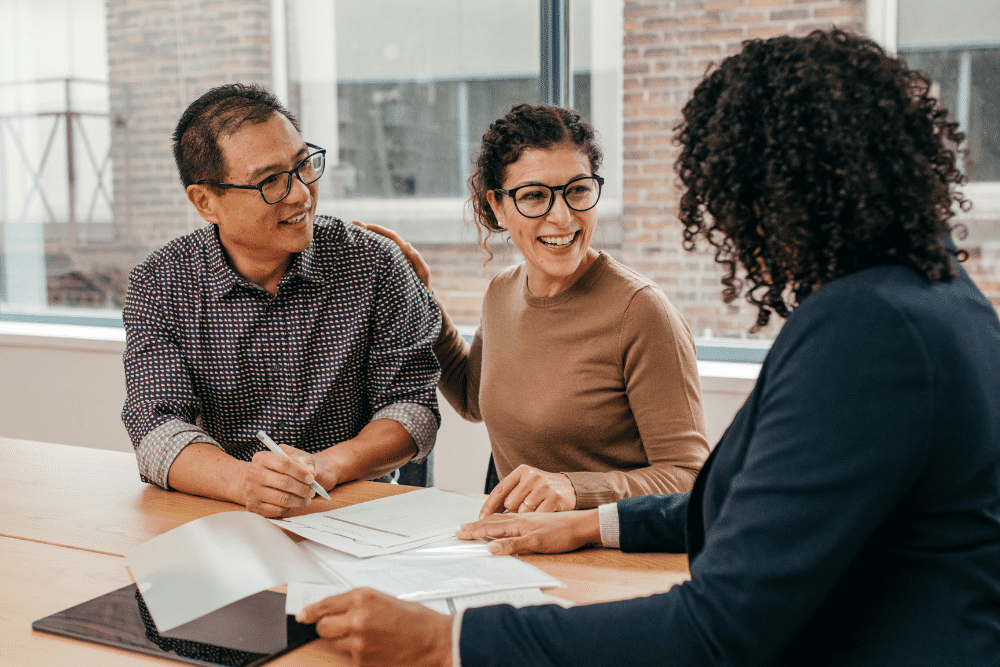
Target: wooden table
pixel 70 513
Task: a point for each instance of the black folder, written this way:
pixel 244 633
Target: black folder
pixel 245 633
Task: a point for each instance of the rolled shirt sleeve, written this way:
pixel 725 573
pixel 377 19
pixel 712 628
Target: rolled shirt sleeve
pixel 419 421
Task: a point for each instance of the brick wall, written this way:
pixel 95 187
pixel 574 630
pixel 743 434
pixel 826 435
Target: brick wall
pixel 162 55
pixel 459 277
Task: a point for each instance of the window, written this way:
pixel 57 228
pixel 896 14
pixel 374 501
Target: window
pixel 56 201
pixel 958 45
pixel 404 107
pixel 398 92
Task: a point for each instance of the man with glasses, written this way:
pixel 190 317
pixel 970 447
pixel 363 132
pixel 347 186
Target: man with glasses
pixel 272 319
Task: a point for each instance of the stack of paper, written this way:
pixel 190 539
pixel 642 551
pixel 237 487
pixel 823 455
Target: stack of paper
pixel 387 525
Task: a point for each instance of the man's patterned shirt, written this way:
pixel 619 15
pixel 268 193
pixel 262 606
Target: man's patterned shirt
pixel 211 357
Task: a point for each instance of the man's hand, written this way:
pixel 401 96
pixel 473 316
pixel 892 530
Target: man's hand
pixel 535 533
pixel 273 484
pixel 529 489
pixel 416 261
pixel 376 629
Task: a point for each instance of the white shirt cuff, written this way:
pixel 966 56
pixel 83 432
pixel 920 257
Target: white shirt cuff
pixel 608 517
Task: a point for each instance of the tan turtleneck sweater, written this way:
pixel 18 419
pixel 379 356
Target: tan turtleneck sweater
pixel 599 382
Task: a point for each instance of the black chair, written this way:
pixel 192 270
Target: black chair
pixel 418 474
pixel 492 479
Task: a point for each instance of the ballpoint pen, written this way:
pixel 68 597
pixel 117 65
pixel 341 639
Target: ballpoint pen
pixel 273 446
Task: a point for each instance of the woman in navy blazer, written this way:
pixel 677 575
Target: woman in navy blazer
pixel 850 515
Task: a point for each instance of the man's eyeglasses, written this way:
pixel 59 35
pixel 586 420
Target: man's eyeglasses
pixel 535 200
pixel 276 187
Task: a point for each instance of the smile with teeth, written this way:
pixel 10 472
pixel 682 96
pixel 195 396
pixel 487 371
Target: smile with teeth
pixel 294 221
pixel 558 241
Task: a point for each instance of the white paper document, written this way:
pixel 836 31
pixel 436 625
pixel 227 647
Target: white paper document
pixel 445 569
pixel 387 525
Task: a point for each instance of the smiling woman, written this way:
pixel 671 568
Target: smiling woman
pixel 581 369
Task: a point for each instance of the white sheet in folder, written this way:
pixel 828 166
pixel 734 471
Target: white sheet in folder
pixel 208 563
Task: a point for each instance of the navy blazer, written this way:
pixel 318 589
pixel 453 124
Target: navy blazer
pixel 850 515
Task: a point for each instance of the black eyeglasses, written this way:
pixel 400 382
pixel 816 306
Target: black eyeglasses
pixel 276 187
pixel 535 200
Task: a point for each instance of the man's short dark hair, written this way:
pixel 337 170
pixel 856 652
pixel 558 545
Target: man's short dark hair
pixel 222 110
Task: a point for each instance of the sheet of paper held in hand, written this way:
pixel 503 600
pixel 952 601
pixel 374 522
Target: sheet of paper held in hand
pixel 387 525
pixel 302 594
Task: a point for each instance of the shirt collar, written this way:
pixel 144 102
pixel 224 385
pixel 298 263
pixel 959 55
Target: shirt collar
pixel 222 279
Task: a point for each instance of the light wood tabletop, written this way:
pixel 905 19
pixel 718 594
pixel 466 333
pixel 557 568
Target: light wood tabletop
pixel 93 499
pixel 71 512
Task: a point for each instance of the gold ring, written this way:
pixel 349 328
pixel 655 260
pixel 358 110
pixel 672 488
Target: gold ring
pixel 525 503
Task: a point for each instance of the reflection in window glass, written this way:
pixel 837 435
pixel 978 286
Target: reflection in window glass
pixel 414 97
pixel 412 138
pixel 969 81
pixel 56 201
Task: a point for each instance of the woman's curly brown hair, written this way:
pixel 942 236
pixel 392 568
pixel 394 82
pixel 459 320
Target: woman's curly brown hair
pixel 815 157
pixel 523 126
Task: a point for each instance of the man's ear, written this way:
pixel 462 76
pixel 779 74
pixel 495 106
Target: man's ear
pixel 205 201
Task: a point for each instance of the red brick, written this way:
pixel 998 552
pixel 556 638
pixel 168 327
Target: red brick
pixel 790 15
pixel 660 23
pixel 724 34
pixel 765 32
pixel 839 12
pixel 702 20
pixel 723 5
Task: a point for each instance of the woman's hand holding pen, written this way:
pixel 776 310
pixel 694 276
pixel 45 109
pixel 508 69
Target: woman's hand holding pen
pixel 529 489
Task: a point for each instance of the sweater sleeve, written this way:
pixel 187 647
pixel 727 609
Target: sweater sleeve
pixel 460 368
pixel 660 367
pixel 840 433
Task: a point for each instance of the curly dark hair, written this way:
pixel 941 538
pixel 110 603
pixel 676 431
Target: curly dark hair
pixel 814 157
pixel 523 126
pixel 221 110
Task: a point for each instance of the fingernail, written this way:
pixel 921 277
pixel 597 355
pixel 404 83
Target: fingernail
pixel 493 547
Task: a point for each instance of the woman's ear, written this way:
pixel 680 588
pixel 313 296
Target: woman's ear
pixel 491 198
pixel 205 201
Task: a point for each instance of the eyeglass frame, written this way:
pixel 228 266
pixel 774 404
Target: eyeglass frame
pixel 294 171
pixel 552 194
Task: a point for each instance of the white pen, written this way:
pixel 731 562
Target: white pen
pixel 273 446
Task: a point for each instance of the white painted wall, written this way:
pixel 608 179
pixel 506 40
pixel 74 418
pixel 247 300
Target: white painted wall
pixel 67 385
